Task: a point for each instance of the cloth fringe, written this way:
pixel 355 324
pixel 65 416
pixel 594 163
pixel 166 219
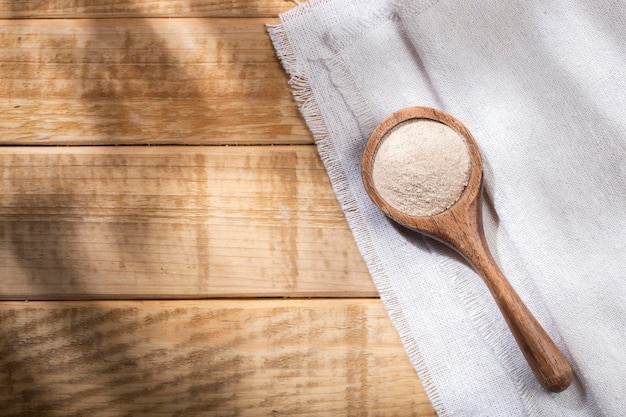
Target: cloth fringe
pixel 304 97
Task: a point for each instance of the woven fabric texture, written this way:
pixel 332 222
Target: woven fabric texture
pixel 541 85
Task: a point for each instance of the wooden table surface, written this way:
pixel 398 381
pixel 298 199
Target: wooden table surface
pixel 175 280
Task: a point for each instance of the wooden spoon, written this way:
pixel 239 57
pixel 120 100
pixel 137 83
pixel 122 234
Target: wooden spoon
pixel 460 227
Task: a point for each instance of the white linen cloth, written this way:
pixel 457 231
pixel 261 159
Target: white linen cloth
pixel 542 87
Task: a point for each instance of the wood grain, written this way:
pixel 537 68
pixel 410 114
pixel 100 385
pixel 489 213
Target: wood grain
pixel 100 222
pixel 143 81
pixel 205 358
pixel 175 222
pixel 141 8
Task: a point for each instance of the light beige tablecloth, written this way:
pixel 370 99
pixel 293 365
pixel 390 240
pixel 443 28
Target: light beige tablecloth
pixel 542 86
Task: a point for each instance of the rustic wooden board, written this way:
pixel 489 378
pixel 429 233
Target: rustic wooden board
pixel 175 222
pixel 205 358
pixel 101 222
pixel 142 8
pixel 138 81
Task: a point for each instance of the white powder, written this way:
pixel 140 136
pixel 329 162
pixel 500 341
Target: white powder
pixel 421 167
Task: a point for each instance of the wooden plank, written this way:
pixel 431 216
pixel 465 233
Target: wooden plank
pixel 142 8
pixel 205 358
pixel 109 222
pixel 138 81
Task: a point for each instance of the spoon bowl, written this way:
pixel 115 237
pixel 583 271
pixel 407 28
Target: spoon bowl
pixel 460 226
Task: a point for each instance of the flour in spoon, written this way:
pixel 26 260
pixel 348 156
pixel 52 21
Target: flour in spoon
pixel 421 167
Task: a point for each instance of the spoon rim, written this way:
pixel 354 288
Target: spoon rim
pixel 474 181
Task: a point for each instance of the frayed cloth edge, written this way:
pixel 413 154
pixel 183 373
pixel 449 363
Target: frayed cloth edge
pixel 304 97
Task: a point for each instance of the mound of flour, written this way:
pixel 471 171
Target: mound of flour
pixel 421 167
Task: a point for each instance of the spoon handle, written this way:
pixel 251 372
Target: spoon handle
pixel 545 359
